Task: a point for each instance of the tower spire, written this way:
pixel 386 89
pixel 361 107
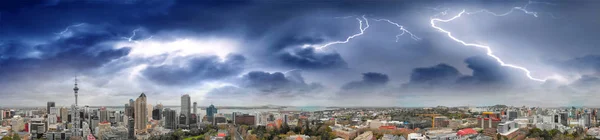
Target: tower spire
pixel 75 89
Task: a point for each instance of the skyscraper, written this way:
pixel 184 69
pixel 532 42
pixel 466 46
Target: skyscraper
pixel 210 113
pixel 156 114
pixel 195 106
pixel 127 110
pixel 131 108
pixel 186 108
pixel 64 114
pixel 131 128
pixel 170 117
pixel 140 113
pixel 103 114
pixel 50 104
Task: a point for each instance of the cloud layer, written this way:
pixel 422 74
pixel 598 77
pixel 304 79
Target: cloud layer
pixel 264 52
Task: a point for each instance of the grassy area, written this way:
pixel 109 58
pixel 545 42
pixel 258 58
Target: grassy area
pixel 197 137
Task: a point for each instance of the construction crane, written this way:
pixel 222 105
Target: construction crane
pixel 432 118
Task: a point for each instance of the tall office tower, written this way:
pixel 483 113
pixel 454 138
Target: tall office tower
pixel 130 128
pixel 186 108
pixel 195 108
pixel 140 113
pixel 285 119
pixel 233 114
pixel 170 116
pixel 86 129
pixel 118 117
pixel 75 123
pixel 127 110
pixel 103 114
pixel 149 107
pixel 50 104
pixel 156 114
pixel 132 108
pixel 210 113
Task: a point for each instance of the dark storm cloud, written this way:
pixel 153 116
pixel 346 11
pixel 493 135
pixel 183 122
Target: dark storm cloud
pixel 276 83
pixel 370 80
pixel 15 49
pixel 486 73
pixel 587 64
pixel 260 83
pixel 78 52
pixel 307 58
pixel 586 82
pixel 195 69
pixel 438 75
pixel 23 19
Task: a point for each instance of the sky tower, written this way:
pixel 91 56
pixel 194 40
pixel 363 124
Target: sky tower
pixel 75 89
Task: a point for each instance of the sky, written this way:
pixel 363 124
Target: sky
pixel 403 53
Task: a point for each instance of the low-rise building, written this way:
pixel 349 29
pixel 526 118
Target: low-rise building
pixel 299 137
pixel 365 136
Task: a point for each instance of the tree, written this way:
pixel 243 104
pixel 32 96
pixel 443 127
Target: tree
pixel 16 136
pixel 535 132
pixel 553 132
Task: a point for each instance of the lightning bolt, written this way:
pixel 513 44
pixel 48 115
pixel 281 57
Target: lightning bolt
pixel 285 72
pixel 362 31
pixel 404 31
pixel 133 34
pixel 69 27
pixel 520 8
pixel 489 51
pixel 130 38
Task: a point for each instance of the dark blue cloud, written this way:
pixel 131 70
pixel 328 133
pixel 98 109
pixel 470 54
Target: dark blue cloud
pixel 370 80
pixel 438 75
pixel 77 53
pixel 587 64
pixel 307 58
pixel 586 82
pixel 195 70
pixel 486 73
pixel 276 83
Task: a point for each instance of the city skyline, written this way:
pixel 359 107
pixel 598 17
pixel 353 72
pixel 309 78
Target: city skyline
pixel 255 53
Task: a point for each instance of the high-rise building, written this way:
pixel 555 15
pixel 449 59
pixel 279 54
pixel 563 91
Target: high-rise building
pixel 285 119
pixel 233 116
pixel 55 111
pixel 149 107
pixel 182 121
pixel 156 114
pixel 75 121
pixel 131 128
pixel 186 108
pixel 210 113
pixel 86 129
pixel 127 111
pixel 195 108
pixel 512 115
pixel 103 114
pixel 140 113
pixel 170 117
pixel 49 105
pixel 131 108
pixel 118 117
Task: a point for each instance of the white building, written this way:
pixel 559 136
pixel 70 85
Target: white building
pixel 416 136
